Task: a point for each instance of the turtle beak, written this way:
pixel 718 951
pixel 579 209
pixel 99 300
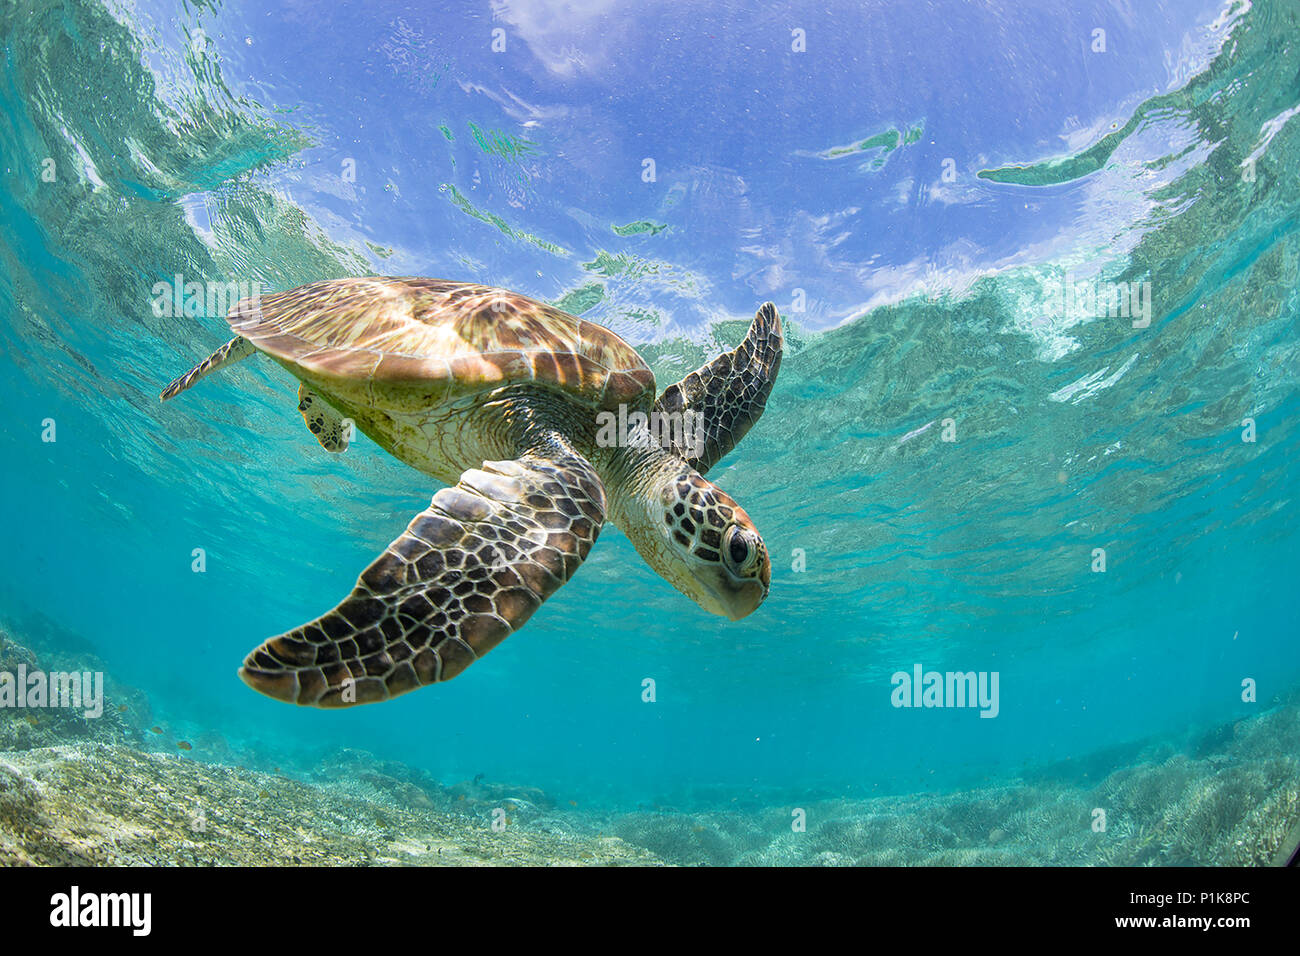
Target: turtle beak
pixel 746 599
pixel 734 597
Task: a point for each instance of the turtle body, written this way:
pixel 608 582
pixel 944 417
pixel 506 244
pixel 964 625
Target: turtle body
pixel 409 361
pixel 510 402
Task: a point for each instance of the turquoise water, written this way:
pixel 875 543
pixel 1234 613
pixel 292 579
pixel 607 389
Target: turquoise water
pixel 214 144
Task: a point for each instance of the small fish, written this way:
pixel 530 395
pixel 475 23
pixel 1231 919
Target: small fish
pixel 573 803
pixel 156 729
pixel 185 745
pixel 121 708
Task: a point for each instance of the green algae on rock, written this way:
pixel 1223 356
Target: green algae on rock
pixel 112 805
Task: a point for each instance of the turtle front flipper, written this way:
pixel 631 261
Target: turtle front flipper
pixel 467 572
pixel 727 396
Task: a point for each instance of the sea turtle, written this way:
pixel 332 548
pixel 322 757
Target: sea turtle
pixel 544 425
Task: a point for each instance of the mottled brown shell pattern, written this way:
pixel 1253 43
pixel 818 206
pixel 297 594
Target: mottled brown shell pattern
pixel 412 331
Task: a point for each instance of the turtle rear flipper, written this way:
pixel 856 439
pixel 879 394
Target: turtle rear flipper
pixel 330 428
pixel 467 572
pixel 729 393
pixel 235 350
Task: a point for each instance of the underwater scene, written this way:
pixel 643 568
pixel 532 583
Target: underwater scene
pixel 929 375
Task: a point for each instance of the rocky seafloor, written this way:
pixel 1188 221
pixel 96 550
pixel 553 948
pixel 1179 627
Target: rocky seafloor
pixel 98 791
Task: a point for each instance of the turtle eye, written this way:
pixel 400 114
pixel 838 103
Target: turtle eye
pixel 740 553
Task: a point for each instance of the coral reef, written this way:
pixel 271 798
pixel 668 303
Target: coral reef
pixel 125 708
pixel 1237 805
pixel 77 791
pixel 89 791
pixel 114 805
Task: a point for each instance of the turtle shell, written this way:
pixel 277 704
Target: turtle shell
pixel 439 337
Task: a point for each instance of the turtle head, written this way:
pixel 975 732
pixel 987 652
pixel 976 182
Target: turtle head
pixel 705 544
